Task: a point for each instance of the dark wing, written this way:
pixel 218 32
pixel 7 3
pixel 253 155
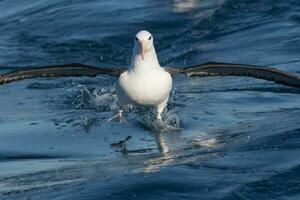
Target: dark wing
pixel 206 69
pixel 227 69
pixel 57 71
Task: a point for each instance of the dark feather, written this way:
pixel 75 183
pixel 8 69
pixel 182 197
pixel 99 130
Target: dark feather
pixel 227 69
pixel 57 71
pixel 206 69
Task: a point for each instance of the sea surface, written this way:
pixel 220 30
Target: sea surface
pixel 222 137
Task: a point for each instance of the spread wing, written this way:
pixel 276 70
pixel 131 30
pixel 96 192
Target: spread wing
pixel 227 69
pixel 206 69
pixel 57 71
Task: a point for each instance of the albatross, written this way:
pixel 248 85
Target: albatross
pixel 145 82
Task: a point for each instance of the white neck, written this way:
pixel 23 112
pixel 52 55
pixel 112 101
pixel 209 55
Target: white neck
pixel 150 60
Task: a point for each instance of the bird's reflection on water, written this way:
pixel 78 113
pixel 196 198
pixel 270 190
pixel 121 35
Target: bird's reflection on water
pixel 164 141
pixel 171 149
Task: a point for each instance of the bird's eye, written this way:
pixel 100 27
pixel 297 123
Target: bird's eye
pixel 150 37
pixel 136 39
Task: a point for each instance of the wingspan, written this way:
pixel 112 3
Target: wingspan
pixel 227 69
pixel 57 71
pixel 206 69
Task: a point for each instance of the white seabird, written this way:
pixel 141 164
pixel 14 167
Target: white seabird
pixel 145 83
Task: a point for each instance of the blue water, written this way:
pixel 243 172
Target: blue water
pixel 238 138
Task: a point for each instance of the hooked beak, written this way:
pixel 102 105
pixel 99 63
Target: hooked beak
pixel 142 48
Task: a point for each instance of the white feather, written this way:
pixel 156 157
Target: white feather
pixel 145 82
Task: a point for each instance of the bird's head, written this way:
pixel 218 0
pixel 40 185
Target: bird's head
pixel 143 42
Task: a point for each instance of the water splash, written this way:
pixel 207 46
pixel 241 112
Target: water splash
pixel 82 97
pixel 170 121
pixel 91 101
pixel 104 100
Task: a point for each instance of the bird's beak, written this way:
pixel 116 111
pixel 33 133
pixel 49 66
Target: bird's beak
pixel 143 48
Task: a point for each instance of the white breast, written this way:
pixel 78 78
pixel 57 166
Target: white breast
pixel 144 87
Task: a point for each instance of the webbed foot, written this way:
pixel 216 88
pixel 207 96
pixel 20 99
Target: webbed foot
pixel 119 118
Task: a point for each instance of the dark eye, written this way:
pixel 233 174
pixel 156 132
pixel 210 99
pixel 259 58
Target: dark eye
pixel 136 39
pixel 150 37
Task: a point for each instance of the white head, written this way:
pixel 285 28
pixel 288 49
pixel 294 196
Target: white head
pixel 143 43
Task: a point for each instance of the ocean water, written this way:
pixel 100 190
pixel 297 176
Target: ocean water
pixel 222 137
